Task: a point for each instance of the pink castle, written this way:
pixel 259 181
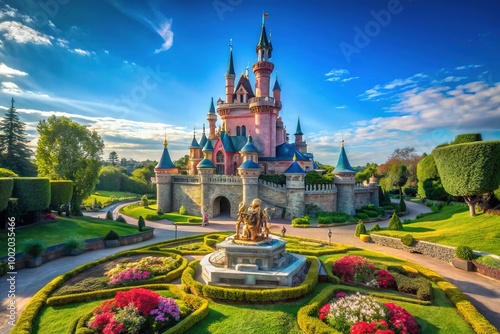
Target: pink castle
pixel 251 124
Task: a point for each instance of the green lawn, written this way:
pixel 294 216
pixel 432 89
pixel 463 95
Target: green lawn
pixel 104 197
pixel 452 226
pixel 60 230
pixel 136 211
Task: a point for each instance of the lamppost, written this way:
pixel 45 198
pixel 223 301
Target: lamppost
pixel 175 233
pixel 329 236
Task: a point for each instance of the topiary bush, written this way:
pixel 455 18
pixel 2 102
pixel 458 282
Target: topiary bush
pixel 395 223
pixel 61 192
pixel 121 219
pixel 109 215
pixel 182 210
pixel 361 215
pixel 464 253
pixel 301 221
pixel 6 186
pixel 141 224
pixel 360 229
pixel 407 240
pixel 33 193
pixel 144 201
pixel 33 247
pixel 402 205
pixel 111 235
pixel 375 227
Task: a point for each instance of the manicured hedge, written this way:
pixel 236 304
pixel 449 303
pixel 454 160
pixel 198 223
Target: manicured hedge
pixel 469 168
pixel 307 316
pixel 237 294
pixel 33 193
pixel 429 182
pixel 6 186
pixel 61 192
pixel 467 138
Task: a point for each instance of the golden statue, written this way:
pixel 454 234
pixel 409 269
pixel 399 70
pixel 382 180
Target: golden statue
pixel 256 221
pixel 242 212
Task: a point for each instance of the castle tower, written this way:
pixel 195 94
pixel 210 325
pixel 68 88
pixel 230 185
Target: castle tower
pixel 203 139
pixel 344 180
pixel 295 190
pixel 212 118
pixel 230 76
pixel 206 168
pixel 194 155
pixel 277 93
pixel 262 105
pixel 163 172
pixel 300 144
pixel 249 171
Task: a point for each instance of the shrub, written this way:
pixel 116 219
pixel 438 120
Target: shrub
pixel 182 210
pixel 6 186
pixel 375 227
pixel 144 201
pixel 121 219
pixel 361 215
pixel 109 215
pixel 353 268
pixel 301 221
pixel 402 205
pixel 407 240
pixel 464 253
pixel 111 235
pixel 61 192
pixel 159 212
pixel 395 223
pixel 489 261
pixel 74 243
pixel 467 138
pixel 33 247
pixel 33 193
pixel 410 191
pixel 141 224
pixel 415 285
pixel 360 228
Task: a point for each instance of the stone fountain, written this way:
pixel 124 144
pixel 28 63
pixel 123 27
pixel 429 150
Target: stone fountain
pixel 252 257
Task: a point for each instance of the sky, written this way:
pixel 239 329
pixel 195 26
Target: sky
pixel 380 74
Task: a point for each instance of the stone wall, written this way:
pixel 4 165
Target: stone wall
pixel 362 197
pixel 187 194
pixel 326 202
pixel 274 195
pixel 435 251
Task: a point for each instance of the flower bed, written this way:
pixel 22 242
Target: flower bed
pixel 137 310
pixel 357 269
pixel 361 314
pixel 145 268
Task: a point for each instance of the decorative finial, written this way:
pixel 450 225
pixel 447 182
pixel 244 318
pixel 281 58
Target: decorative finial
pixel 203 128
pixel 231 44
pixel 294 157
pixel 165 143
pixel 246 72
pixel 342 141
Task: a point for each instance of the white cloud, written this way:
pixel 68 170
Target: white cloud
pixel 466 67
pixel 22 34
pixel 10 72
pixel 11 88
pixel 81 52
pixel 337 72
pixel 339 75
pixel 62 42
pixel 8 11
pixel 165 31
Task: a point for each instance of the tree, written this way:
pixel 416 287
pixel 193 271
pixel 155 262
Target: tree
pixel 182 163
pixel 469 169
pixel 14 151
pixel 429 182
pixel 69 151
pixel 369 170
pixel 406 156
pixel 113 158
pixel 398 176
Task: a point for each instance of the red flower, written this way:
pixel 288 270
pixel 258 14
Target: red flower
pixel 145 300
pixel 352 266
pixel 385 279
pixel 363 327
pixel 323 311
pixel 401 319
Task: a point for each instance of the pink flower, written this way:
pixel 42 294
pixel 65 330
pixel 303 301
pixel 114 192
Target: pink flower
pixel 323 311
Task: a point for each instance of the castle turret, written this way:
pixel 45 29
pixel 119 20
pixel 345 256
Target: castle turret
pixel 300 144
pixel 277 93
pixel 163 172
pixel 295 189
pixel 344 180
pixel 194 155
pixel 263 67
pixel 249 171
pixel 211 118
pixel 230 76
pixel 203 139
pixel 206 168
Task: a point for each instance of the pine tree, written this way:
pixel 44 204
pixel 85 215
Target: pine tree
pixel 14 150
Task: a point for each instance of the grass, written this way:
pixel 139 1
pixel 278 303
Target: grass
pixel 104 197
pixel 135 211
pixel 60 230
pixel 452 226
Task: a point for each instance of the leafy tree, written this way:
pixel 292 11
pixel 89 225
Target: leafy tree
pixel 4 172
pixel 398 176
pixel 144 174
pixel 110 178
pixel 369 170
pixel 14 151
pixel 328 168
pixel 406 156
pixel 429 182
pixel 395 223
pixel 317 178
pixel 69 151
pixel 469 169
pixel 113 158
pixel 182 163
pixel 123 162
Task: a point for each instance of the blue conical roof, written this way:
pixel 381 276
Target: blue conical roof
pixel 203 139
pixel 208 146
pixel 230 65
pixel 249 164
pixel 294 168
pixel 212 108
pixel 194 143
pixel 299 130
pixel 343 165
pixel 165 161
pixel 249 146
pixel 276 84
pixel 205 163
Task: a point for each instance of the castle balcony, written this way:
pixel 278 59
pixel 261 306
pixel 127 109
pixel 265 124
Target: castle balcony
pixel 186 179
pixel 227 106
pixel 224 179
pixel 262 101
pixel 260 65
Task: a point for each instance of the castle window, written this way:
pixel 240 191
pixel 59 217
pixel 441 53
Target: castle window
pixel 238 131
pixel 219 163
pixel 244 131
pixel 219 158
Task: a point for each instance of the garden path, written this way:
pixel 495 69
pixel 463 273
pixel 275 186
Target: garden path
pixel 483 292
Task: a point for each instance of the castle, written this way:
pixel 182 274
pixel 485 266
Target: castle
pixel 224 167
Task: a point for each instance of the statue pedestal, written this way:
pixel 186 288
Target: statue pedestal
pixel 240 262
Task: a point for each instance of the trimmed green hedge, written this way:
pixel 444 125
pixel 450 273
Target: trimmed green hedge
pixel 6 186
pixel 467 138
pixel 61 192
pixel 237 294
pixel 33 193
pixel 307 316
pixel 301 221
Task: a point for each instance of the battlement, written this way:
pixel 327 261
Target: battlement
pixel 320 189
pixel 224 179
pixel 272 185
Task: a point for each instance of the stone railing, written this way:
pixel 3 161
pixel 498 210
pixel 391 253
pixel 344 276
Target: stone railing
pixel 320 189
pixel 435 251
pixel 361 186
pixel 272 185
pixel 224 179
pixel 186 179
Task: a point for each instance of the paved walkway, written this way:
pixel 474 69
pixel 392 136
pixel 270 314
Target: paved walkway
pixel 483 292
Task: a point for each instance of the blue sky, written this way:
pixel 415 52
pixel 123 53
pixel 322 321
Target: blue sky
pixel 382 74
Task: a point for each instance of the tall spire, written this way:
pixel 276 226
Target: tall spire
pixel 276 83
pixel 343 165
pixel 263 40
pixel 212 108
pixel 230 65
pixel 299 130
